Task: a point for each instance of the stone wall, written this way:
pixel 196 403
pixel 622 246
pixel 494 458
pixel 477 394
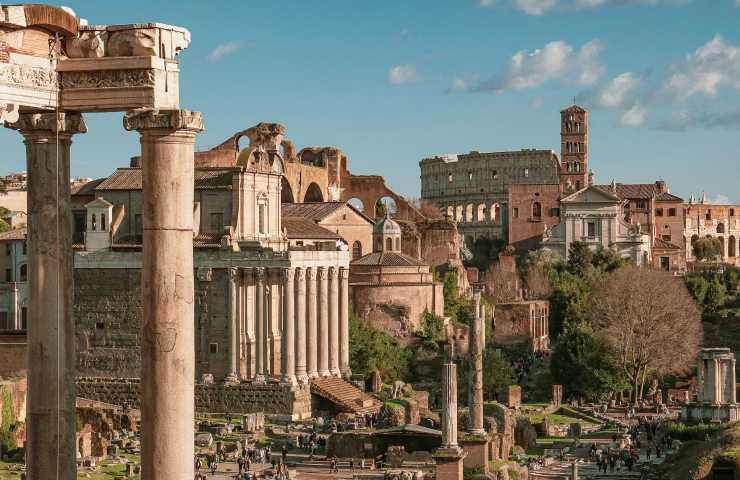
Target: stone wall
pixel 271 398
pixel 13 355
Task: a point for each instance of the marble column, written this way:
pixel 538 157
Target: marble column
pixel 259 327
pixel 232 375
pixel 167 327
pixel 449 406
pixel 312 360
pixel 733 382
pixel 344 323
pixel 288 326
pixel 476 369
pixel 334 321
pixel 50 336
pixel 300 328
pixel 323 330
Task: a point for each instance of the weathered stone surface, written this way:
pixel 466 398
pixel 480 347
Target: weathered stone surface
pixel 525 434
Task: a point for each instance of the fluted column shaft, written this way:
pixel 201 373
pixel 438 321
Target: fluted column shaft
pixel 323 331
pixel 259 327
pixel 344 322
pixel 476 369
pixel 288 326
pixel 334 321
pixel 312 360
pixel 449 406
pixel 51 349
pixel 167 327
pixel 300 318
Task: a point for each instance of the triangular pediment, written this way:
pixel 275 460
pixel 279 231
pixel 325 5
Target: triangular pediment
pixel 592 194
pixel 99 202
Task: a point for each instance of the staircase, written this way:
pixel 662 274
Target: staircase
pixel 347 397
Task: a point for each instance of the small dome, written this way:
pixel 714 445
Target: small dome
pixel 387 227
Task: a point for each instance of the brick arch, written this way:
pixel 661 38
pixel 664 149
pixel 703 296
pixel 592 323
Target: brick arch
pixel 313 193
pixel 286 191
pixel 371 188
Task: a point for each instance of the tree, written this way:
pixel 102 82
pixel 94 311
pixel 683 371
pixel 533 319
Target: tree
pixel 537 281
pixel 372 350
pixel 707 249
pixel 697 286
pixel 4 227
pixel 643 315
pixel 607 259
pixel 580 258
pixel 715 296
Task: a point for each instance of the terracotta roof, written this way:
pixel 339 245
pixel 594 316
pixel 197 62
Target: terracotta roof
pixel 668 197
pixel 304 228
pixel 315 211
pixel 87 188
pixel 15 234
pixel 387 259
pixel 633 190
pixel 207 240
pixel 130 179
pixel 665 245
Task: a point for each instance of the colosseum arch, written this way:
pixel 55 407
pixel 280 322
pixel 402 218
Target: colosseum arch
pixel 450 211
pixel 469 213
pixel 286 192
pixel 459 213
pixel 313 193
pixel 481 213
pixel 731 246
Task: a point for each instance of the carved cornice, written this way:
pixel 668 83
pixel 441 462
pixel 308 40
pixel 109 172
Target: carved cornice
pixel 64 123
pixel 155 119
pixel 28 76
pixel 108 79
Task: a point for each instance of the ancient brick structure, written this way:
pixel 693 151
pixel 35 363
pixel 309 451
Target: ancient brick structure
pixel 522 322
pixel 574 173
pixel 704 219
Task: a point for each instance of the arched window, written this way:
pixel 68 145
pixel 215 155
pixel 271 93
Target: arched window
pixel 24 273
pixel 731 246
pixel 578 167
pixel 94 222
pixel 356 249
pixel 720 228
pixel 536 210
pixel 389 244
pixel 102 222
pixel 694 238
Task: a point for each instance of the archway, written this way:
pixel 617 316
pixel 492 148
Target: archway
pixel 385 204
pixel 356 249
pixel 720 228
pixel 731 246
pixel 458 213
pixel 357 204
pixel 286 193
pixel 481 213
pixel 313 194
pixel 469 213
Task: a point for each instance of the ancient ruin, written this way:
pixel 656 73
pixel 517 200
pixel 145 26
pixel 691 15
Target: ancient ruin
pixel 716 399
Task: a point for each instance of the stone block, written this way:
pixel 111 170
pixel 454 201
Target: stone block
pixel 514 396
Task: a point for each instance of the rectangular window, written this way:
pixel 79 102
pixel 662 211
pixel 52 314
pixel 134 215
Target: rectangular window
pixel 526 172
pixel 658 212
pixel 262 219
pixel 515 212
pixel 671 212
pixel 641 204
pixel 213 347
pixel 217 222
pixel 449 178
pixel 591 229
pixel 24 318
pixel 665 263
pixel 708 215
pixel 555 212
pixel 667 238
pixel 5 321
pixel 8 275
pixel 732 212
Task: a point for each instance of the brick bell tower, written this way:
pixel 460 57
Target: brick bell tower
pixel 573 149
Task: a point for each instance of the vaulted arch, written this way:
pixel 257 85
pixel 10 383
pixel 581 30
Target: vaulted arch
pixel 313 194
pixel 286 192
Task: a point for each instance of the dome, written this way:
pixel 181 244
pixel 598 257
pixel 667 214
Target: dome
pixel 387 227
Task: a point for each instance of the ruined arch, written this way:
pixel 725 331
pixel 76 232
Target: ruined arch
pixel 357 204
pixel 386 203
pixel 313 194
pixel 286 192
pixel 458 213
pixel 481 213
pixel 450 211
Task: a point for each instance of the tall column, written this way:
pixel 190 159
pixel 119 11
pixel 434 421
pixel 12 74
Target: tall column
pixel 259 327
pixel 232 376
pixel 733 382
pixel 312 360
pixel 167 330
pixel 344 323
pixel 300 318
pixel 50 335
pixel 334 321
pixel 323 331
pixel 476 370
pixel 449 406
pixel 288 326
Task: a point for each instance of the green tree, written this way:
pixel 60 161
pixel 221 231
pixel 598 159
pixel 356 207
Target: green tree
pixel 498 373
pixel 607 259
pixel 580 258
pixel 4 227
pixel 697 286
pixel 568 300
pixel 707 248
pixel 372 350
pixel 715 296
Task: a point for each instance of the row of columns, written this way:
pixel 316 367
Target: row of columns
pixel 313 325
pixel 167 329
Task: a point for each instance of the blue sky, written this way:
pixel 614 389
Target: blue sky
pixel 392 81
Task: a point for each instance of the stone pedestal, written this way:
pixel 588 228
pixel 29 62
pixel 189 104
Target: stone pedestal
pixel 476 449
pixel 449 464
pixel 167 329
pixel 51 344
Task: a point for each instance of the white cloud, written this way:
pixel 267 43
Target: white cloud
pixel 457 85
pixel 720 199
pixel 556 60
pixel 711 67
pixel 634 116
pixel 224 49
pixel 615 93
pixel 535 7
pixel 401 74
pixel 489 3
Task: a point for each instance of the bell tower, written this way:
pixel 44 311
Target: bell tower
pixel 573 149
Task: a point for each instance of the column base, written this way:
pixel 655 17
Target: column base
pixel 313 374
pixel 347 374
pixel 303 379
pixel 231 378
pixel 259 379
pixel 288 380
pixel 449 463
pixel 325 373
pixel 476 447
pixel 335 372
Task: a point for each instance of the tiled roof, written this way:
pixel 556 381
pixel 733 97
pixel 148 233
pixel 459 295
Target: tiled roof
pixel 668 197
pixel 130 179
pixel 387 259
pixel 633 190
pixel 207 240
pixel 15 234
pixel 665 245
pixel 87 188
pixel 315 211
pixel 304 228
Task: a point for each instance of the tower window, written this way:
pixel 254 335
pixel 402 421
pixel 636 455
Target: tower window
pixel 658 212
pixel 526 172
pixel 262 219
pixel 449 178
pixel 356 249
pixel 102 221
pixel 94 222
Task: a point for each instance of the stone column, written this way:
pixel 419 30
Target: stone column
pixel 334 321
pixel 323 330
pixel 232 375
pixel 449 406
pixel 733 382
pixel 300 318
pixel 288 326
pixel 259 326
pixel 312 335
pixel 167 330
pixel 476 370
pixel 344 323
pixel 51 341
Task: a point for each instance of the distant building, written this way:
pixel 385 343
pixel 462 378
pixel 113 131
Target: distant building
pixel 522 322
pixel 14 284
pixel 704 219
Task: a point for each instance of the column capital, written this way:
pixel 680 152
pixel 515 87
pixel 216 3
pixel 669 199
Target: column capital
pixel 300 274
pixel 333 272
pixel 233 273
pixel 311 274
pixel 48 124
pixel 321 273
pixel 288 274
pixel 259 274
pixel 155 119
pixel 343 273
